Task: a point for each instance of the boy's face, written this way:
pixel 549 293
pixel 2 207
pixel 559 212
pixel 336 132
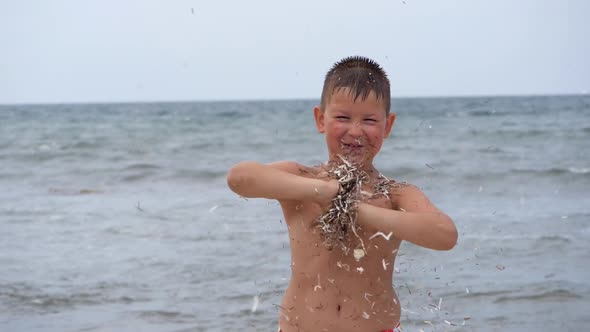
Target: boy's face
pixel 355 130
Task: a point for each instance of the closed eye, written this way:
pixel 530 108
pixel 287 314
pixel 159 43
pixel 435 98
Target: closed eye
pixel 342 117
pixel 370 120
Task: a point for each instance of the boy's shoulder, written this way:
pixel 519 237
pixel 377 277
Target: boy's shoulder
pixel 409 197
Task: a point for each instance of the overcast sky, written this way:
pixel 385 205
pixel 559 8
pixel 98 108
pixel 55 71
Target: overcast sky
pixel 147 50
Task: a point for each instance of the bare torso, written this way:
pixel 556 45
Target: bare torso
pixel 329 289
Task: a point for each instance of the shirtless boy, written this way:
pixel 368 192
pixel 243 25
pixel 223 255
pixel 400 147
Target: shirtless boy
pixel 332 289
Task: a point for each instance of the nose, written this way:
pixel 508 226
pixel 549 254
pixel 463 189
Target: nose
pixel 355 130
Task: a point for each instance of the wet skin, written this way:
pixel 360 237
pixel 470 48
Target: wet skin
pixel 329 289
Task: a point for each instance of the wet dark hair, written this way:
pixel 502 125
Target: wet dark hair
pixel 361 75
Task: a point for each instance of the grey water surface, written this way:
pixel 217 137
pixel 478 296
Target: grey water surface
pixel 116 217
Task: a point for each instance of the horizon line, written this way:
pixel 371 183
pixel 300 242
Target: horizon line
pixel 180 101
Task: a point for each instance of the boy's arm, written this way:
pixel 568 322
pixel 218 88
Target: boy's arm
pixel 279 180
pixel 419 221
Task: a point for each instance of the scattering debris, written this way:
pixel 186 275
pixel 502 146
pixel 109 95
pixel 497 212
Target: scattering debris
pixel 386 237
pixel 342 265
pixel 139 207
pixel 339 221
pixel 358 254
pixel 336 223
pixel 319 285
pixel 255 303
pixel 213 208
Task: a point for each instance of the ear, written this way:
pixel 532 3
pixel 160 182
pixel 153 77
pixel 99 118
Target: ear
pixel 319 116
pixel 389 124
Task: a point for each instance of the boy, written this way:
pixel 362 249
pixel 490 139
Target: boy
pixel 331 288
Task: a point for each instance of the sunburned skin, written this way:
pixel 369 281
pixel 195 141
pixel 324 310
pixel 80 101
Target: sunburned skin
pixel 340 290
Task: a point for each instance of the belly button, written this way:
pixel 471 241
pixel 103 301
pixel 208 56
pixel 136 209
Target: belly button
pixel 339 308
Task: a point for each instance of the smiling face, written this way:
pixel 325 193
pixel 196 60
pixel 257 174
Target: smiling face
pixel 354 129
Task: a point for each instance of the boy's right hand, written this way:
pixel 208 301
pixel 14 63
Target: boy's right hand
pixel 327 192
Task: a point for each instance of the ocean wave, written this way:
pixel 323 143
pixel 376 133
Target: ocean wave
pixel 487 113
pixel 54 301
pixel 551 295
pixel 581 170
pixel 131 178
pixel 74 192
pixel 553 239
pixel 142 166
pixel 233 115
pixel 166 316
pixel 552 171
pixel 27 295
pixel 492 293
pixel 499 174
pixel 84 145
pixel 482 236
pixel 16 175
pixel 522 133
pixel 491 149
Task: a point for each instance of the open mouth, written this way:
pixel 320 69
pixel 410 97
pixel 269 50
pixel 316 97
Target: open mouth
pixel 352 145
pixel 352 148
pixel 356 144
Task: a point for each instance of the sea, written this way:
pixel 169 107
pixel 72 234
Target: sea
pixel 117 217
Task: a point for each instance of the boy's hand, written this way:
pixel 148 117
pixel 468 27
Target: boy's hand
pixel 327 192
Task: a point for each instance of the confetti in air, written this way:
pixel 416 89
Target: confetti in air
pixel 255 303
